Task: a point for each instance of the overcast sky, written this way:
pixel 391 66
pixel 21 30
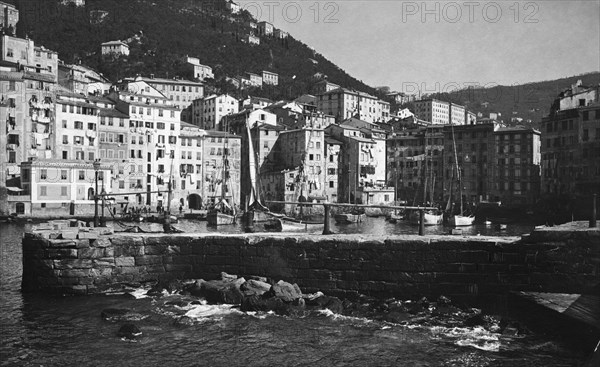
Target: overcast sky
pixel 440 44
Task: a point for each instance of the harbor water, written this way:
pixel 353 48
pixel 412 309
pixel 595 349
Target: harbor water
pixel 39 330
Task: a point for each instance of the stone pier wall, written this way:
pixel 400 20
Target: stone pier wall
pixel 84 261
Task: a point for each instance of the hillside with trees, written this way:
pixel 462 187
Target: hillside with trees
pixel 529 102
pixel 169 30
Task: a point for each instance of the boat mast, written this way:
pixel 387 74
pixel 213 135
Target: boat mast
pixel 458 175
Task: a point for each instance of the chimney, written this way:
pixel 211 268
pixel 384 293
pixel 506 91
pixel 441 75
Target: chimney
pixel 151 76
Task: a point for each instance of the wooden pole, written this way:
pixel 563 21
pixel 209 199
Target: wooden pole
pixel 326 229
pixel 421 222
pixel 593 219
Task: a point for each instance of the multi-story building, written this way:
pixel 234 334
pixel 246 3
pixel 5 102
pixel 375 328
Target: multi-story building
pixel 181 92
pixel 571 143
pixel 331 154
pixel 82 80
pixel 27 83
pixel 201 72
pixel 254 103
pixel 470 149
pixel 415 155
pixel 222 153
pixel 30 58
pixel 298 169
pixel 191 149
pixel 361 163
pixel 401 98
pixel 251 39
pixel 233 8
pixel 9 17
pixel 517 173
pixel 77 136
pixel 281 34
pixel 255 80
pixel 270 78
pixel 154 130
pixel 114 48
pixel 323 87
pixel 56 187
pixel 114 139
pixel 344 104
pixel 265 28
pixel 433 110
pixel 457 114
pixel 208 112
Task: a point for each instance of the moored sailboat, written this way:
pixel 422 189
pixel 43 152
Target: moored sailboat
pixel 459 220
pixel 222 213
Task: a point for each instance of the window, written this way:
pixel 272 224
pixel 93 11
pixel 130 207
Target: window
pixel 43 174
pixel 65 155
pixel 43 191
pixel 65 140
pixel 63 174
pixel 63 191
pixel 91 126
pixel 79 125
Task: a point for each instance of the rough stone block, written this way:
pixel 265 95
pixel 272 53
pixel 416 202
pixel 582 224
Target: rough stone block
pixel 104 262
pixel 91 235
pixel 148 260
pixel 157 249
pixel 90 253
pixel 61 244
pixel 102 242
pixel 67 264
pixel 128 250
pixel 128 270
pixel 109 252
pixel 75 273
pixel 155 269
pixel 61 254
pixel 124 261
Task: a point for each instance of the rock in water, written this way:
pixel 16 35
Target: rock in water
pixel 184 321
pixel 219 291
pixel 228 277
pixel 254 288
pixel 129 331
pixel 333 304
pixel 285 291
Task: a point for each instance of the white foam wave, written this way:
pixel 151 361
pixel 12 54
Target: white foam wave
pixel 328 313
pixel 200 312
pixel 477 337
pixel 140 293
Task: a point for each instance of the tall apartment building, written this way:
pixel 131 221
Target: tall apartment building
pixel 191 149
pixel 362 161
pixel 470 149
pixel 323 87
pixel 440 112
pixel 181 92
pixel 220 149
pixel 344 104
pixel 82 80
pixel 571 143
pixel 77 123
pixel 154 131
pixel 298 172
pixel 9 16
pixel 517 172
pixel 415 163
pixel 208 112
pixel 27 83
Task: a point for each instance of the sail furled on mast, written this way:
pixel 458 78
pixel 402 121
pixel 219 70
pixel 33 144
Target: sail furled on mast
pixel 253 195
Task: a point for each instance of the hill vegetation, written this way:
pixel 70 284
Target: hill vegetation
pixel 529 102
pixel 162 32
pixel 168 31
